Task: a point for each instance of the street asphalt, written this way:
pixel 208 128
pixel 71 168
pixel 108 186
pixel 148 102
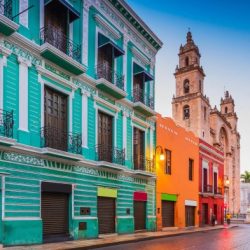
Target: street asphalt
pixel 237 238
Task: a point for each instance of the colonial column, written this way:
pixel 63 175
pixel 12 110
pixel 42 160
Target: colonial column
pixel 151 142
pixel 24 17
pixel 3 62
pixel 85 96
pixel 23 94
pixel 124 132
pixel 125 44
pixel 85 37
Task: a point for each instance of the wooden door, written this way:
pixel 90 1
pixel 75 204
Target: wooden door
pixel 55 119
pixel 56 24
pixel 106 215
pixel 167 213
pixel 215 183
pixel 139 149
pixel 204 214
pixel 205 180
pixel 105 137
pixel 55 214
pixel 138 88
pixel 140 215
pixel 105 63
pixel 190 216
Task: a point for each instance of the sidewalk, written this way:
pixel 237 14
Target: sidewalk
pixel 108 240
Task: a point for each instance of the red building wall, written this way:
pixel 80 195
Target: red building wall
pixel 211 196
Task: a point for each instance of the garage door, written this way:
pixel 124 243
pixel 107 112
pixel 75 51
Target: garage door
pixel 55 214
pixel 106 215
pixel 168 213
pixel 140 215
pixel 190 212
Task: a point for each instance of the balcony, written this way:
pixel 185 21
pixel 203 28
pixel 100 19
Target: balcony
pixel 61 144
pixel 110 157
pixel 144 167
pixel 218 190
pixel 6 127
pixel 7 26
pixel 59 49
pixel 207 189
pixel 110 81
pixel 143 103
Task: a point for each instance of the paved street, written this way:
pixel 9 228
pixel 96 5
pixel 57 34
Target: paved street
pixel 234 238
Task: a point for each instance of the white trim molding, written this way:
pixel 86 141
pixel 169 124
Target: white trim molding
pixel 85 96
pixel 191 203
pixel 23 94
pixel 124 132
pixel 108 27
pixel 137 54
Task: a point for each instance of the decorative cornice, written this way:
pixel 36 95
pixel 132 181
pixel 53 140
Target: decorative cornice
pixel 139 121
pixel 110 29
pixel 52 76
pixel 106 103
pixel 24 61
pixel 140 56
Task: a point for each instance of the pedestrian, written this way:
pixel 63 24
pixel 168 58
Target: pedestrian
pixel 213 219
pixel 228 217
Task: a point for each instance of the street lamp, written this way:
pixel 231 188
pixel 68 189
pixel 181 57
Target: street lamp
pixel 226 181
pixel 162 156
pixel 226 192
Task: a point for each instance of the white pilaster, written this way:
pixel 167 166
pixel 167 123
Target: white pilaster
pixel 24 17
pixel 3 62
pixel 125 44
pixel 85 32
pixel 85 96
pixel 124 133
pixel 23 93
pixel 151 143
pixel 41 14
pixel 71 96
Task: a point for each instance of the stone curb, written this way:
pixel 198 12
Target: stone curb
pixel 100 245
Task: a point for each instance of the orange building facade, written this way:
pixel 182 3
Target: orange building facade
pixel 177 184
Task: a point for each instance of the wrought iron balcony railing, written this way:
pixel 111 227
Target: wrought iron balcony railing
pixel 110 154
pixel 59 40
pixel 103 70
pixel 207 189
pixel 140 96
pixel 217 190
pixel 55 138
pixel 140 163
pixel 6 123
pixel 6 8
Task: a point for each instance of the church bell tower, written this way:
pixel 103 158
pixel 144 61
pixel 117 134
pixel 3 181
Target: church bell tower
pixel 190 107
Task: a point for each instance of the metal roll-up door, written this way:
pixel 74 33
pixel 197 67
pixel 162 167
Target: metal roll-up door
pixel 140 215
pixel 190 214
pixel 55 214
pixel 167 213
pixel 106 215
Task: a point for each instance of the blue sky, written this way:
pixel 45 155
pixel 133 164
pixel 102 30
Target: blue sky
pixel 221 29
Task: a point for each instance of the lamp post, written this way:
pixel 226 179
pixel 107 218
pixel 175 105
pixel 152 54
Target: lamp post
pixel 226 193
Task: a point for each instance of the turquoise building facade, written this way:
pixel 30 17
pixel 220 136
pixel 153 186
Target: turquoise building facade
pixel 77 126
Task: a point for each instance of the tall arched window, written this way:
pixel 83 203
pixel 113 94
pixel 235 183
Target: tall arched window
pixel 186 112
pixel 226 110
pixel 186 86
pixel 186 61
pixel 200 86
